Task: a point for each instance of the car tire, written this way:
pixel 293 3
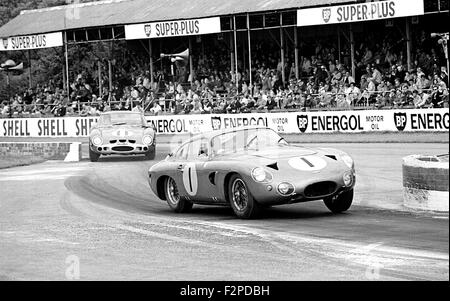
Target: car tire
pixel 150 154
pixel 93 156
pixel 241 200
pixel 340 203
pixel 176 203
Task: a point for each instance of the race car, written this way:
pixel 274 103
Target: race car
pixel 249 169
pixel 121 133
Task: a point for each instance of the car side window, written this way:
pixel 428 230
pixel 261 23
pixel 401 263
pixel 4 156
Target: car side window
pixel 183 152
pixel 199 149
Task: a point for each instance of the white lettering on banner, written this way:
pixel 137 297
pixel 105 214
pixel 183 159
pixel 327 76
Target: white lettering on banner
pixel 172 28
pixel 284 123
pixel 359 12
pixel 37 41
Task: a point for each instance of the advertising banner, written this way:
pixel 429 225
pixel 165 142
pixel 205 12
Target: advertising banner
pixel 367 11
pixel 37 41
pixel 172 28
pixel 409 120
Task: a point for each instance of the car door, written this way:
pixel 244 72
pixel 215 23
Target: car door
pixel 178 163
pixel 193 175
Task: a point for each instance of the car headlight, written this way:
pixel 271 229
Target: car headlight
pixel 348 178
pixel 348 161
pixel 285 188
pixel 261 175
pixel 97 140
pixel 147 140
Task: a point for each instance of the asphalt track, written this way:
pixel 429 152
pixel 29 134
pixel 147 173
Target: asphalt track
pixel 104 215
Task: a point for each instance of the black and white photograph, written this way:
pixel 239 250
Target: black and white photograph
pixel 238 143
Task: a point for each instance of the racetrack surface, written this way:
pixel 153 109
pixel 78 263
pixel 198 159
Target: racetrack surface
pixel 105 214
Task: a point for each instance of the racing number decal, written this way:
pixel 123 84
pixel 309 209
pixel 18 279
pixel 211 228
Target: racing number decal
pixel 308 163
pixel 190 179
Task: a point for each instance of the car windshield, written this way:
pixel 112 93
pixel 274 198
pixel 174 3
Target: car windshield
pixel 121 119
pixel 248 139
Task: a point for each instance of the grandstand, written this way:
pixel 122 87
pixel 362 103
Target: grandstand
pixel 243 56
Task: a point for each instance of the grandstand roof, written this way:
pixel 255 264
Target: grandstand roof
pixel 120 12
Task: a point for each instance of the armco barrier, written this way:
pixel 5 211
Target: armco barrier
pixel 408 120
pixel 425 183
pixel 47 150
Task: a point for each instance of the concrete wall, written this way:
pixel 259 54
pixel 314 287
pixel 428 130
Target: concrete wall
pixel 47 150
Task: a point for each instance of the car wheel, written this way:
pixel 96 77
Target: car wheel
pixel 176 203
pixel 340 203
pixel 241 200
pixel 93 156
pixel 150 155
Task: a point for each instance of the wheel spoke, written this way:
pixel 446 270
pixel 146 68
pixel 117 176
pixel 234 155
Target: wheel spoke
pixel 240 197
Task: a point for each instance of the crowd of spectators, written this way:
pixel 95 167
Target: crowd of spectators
pixel 382 81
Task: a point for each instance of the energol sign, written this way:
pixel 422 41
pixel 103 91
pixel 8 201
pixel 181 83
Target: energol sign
pixel 369 11
pixel 172 28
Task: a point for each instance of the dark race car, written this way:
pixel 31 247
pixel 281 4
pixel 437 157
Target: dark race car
pixel 122 133
pixel 251 168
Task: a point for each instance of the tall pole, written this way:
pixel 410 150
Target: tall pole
pixel 249 51
pixel 9 94
pixel 283 73
pixel 339 44
pixel 99 72
pixel 408 44
pixel 296 53
pixel 352 51
pixel 66 54
pixel 191 64
pixel 30 82
pixel 110 81
pixel 231 53
pixel 235 51
pixel 150 57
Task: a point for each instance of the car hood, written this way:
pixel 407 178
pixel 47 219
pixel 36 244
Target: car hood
pixel 282 152
pixel 270 154
pixel 284 157
pixel 122 131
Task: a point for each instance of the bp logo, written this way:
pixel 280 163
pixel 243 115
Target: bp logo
pixel 326 14
pixel 216 123
pixel 400 121
pixel 148 29
pixel 5 43
pixel 302 122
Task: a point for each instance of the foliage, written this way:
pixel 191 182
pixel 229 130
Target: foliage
pixel 46 64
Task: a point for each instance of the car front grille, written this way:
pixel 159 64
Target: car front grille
pixel 122 141
pixel 122 148
pixel 320 189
